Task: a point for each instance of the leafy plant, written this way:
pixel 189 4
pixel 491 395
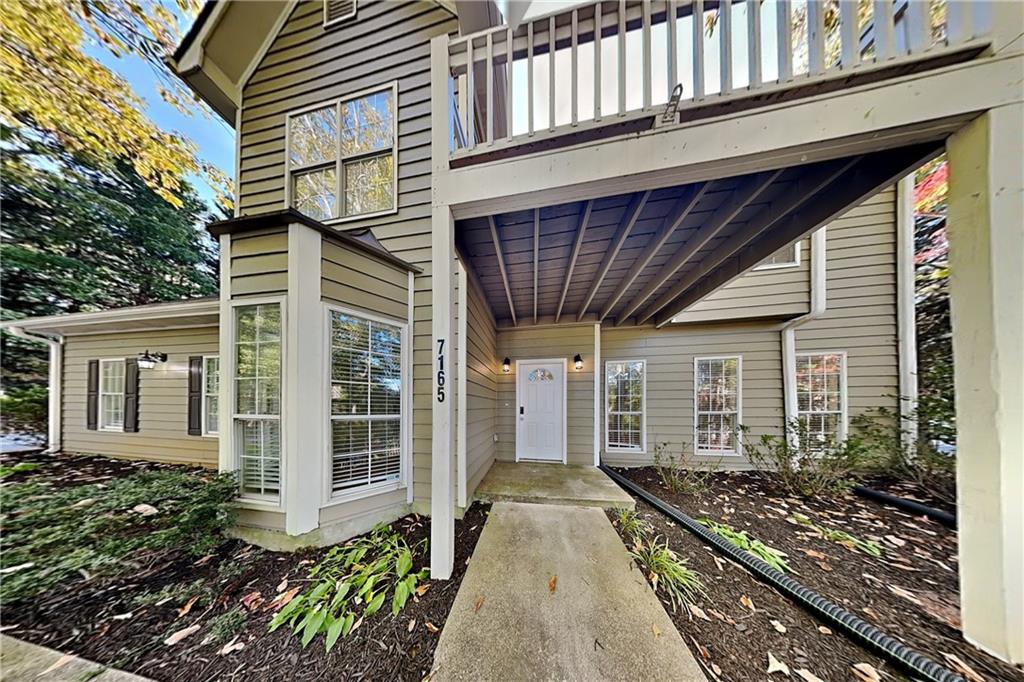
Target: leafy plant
pixel 771 556
pixel 666 570
pixel 351 583
pixel 51 535
pixel 19 468
pixel 804 464
pixel 840 536
pixel 680 473
pixel 24 410
pixel 631 523
pixel 228 624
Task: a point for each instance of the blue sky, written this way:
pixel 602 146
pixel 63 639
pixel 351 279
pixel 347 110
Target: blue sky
pixel 214 138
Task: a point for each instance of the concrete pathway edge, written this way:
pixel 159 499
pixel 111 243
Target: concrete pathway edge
pixel 22 661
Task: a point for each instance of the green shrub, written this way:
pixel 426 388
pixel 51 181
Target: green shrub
pixel 804 465
pixel 24 410
pixel 19 468
pixel 771 556
pixel 352 582
pixel 51 535
pixel 631 523
pixel 680 473
pixel 228 624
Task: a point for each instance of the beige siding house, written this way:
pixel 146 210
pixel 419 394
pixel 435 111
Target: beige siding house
pixel 564 239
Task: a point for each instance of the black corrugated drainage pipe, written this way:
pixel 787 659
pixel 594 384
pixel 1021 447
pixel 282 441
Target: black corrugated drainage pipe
pixel 864 633
pixel 945 518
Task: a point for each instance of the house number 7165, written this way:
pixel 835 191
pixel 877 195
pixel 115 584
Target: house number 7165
pixel 440 370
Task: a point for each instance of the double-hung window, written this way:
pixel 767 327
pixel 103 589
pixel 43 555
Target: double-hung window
pixel 717 398
pixel 820 389
pixel 342 156
pixel 111 395
pixel 625 421
pixel 257 417
pixel 366 403
pixel 211 395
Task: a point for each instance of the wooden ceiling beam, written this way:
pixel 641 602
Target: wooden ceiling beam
pixel 629 219
pixel 501 267
pixel 746 193
pixel 580 231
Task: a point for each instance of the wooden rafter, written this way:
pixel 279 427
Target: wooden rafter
pixel 629 218
pixel 805 189
pixel 501 266
pixel 581 229
pixel 536 259
pixel 684 205
pixel 741 197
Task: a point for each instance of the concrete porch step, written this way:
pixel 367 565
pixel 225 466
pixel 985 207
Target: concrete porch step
pixel 556 483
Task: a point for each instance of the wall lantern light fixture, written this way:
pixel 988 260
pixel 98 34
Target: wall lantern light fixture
pixel 148 360
pixel 578 362
pixel 506 365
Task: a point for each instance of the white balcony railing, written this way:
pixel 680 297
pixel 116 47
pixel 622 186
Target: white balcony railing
pixel 550 76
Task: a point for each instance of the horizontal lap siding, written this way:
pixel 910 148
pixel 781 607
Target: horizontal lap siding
pixel 670 354
pixel 861 309
pixel 259 263
pixel 482 371
pixel 550 343
pixel 387 41
pixel 355 280
pixel 163 396
pixel 776 292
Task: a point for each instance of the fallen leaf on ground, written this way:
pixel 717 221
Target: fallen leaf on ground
pixel 123 616
pixel 899 542
pixel 252 600
pixel 61 662
pixel 824 630
pixel 478 603
pixel 203 560
pixel 866 672
pixel 721 616
pixel 655 630
pixel 814 554
pixel 283 585
pixel 412 625
pixel 698 612
pixel 870 611
pixel 181 634
pixel 962 667
pixel 432 627
pixel 145 509
pixel 553 584
pixel 747 601
pixel 906 594
pixel 15 569
pixel 779 627
pixel 807 676
pixel 188 606
pixel 776 666
pixel 824 566
pixel 282 599
pixel 422 589
pixel 232 646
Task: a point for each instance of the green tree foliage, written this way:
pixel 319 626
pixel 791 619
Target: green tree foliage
pixel 937 409
pixel 77 238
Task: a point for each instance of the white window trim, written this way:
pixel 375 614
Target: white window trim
pixel 843 397
pixel 738 450
pixel 782 266
pixel 331 499
pixel 248 500
pixel 100 426
pixel 337 20
pixel 205 395
pixel 339 162
pixel 608 447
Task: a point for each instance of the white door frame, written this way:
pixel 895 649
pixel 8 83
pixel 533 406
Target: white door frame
pixel 565 405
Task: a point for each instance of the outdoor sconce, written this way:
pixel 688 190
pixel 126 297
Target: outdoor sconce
pixel 148 360
pixel 578 362
pixel 506 365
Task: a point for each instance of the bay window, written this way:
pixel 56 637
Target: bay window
pixel 717 408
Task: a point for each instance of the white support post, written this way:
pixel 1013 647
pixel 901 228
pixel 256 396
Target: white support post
pixel 698 49
pixel 55 398
pixel 784 30
pixel 442 250
pixel 304 417
pixel 986 234
pixel 598 400
pixel 905 310
pixel 226 395
pixel 725 47
pixel 849 34
pixel 598 31
pixel 816 38
pixel 754 43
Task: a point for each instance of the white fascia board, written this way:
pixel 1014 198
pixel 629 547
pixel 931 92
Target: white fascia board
pixel 163 314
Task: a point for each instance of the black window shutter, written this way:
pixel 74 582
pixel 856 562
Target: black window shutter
pixel 92 399
pixel 131 395
pixel 195 395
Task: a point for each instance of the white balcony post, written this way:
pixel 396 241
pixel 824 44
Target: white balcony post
pixel 986 233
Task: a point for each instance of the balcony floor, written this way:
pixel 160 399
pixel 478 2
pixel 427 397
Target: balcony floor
pixel 574 485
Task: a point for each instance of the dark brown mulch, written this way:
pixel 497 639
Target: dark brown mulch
pixel 103 621
pixel 911 592
pixel 65 470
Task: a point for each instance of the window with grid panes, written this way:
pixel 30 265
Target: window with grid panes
pixel 819 397
pixel 624 400
pixel 112 394
pixel 717 395
pixel 257 416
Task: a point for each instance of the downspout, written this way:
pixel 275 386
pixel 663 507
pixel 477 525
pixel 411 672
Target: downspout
pixel 819 296
pixel 56 344
pixel 905 310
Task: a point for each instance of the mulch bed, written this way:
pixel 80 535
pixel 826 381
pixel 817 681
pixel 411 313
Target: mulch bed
pixel 104 622
pixel 911 592
pixel 908 490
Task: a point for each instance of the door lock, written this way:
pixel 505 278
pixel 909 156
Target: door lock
pixel 521 411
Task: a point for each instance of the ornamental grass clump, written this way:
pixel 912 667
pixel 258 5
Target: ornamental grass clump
pixel 665 569
pixel 117 528
pixel 352 583
pixel 771 556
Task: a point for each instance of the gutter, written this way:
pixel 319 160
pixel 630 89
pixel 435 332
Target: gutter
pixel 819 299
pixel 54 412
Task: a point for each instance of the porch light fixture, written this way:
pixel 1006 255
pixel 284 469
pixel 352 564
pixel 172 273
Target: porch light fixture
pixel 578 362
pixel 506 365
pixel 148 360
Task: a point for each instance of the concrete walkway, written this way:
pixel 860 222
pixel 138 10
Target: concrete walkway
pixel 24 662
pixel 572 484
pixel 551 594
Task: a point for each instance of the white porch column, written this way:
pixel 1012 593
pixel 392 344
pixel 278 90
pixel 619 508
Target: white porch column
pixel 986 231
pixel 226 396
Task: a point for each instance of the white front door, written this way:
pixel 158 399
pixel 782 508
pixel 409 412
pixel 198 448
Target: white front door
pixel 540 418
